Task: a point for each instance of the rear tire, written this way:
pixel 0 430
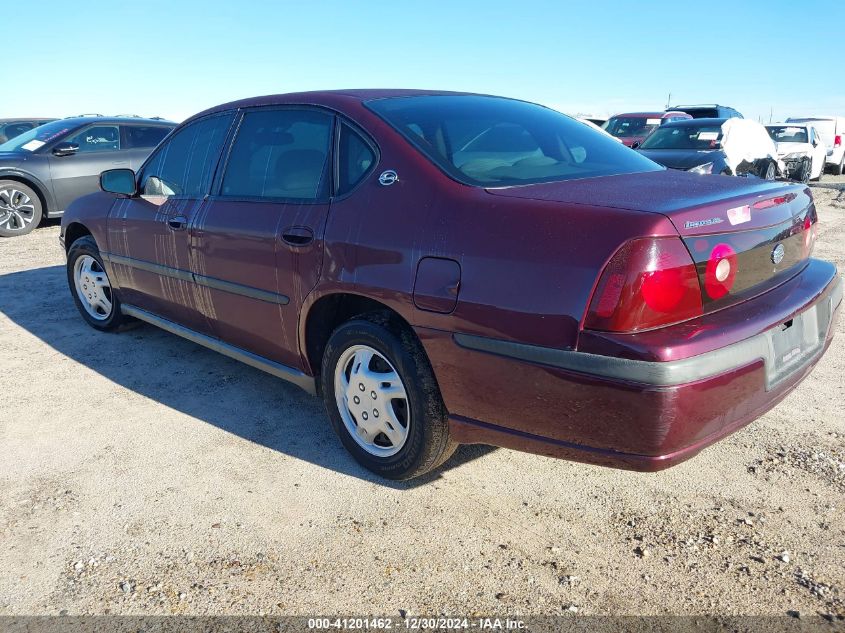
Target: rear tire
pixel 841 169
pixel 383 400
pixel 91 288
pixel 20 209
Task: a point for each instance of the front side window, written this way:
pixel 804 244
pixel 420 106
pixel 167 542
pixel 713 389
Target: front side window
pixel 497 142
pixel 145 135
pixel 185 164
pixel 697 137
pixel 97 138
pixel 280 153
pixel 354 160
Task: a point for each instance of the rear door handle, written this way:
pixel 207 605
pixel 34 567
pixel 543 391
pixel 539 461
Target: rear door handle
pixel 178 223
pixel 298 235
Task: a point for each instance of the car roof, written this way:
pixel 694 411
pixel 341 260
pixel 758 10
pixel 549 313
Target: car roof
pixel 699 105
pixel 694 122
pixel 332 98
pixel 791 124
pixel 655 115
pixel 26 118
pixel 82 120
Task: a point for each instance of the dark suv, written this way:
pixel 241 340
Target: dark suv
pixel 44 169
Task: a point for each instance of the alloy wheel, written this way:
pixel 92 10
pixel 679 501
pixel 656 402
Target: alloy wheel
pixel 17 210
pixel 372 401
pixel 92 287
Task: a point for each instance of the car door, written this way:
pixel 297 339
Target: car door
pixel 150 234
pixel 78 174
pixel 259 240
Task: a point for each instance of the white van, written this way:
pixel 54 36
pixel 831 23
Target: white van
pixel 832 131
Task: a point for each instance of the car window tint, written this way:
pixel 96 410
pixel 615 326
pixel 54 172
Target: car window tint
pixel 97 138
pixel 185 164
pixel 356 158
pixel 491 141
pixel 280 154
pixel 145 135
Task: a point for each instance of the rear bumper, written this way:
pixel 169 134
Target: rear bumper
pixel 631 413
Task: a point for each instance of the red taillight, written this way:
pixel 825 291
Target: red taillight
pixel 648 283
pixel 809 234
pixel 837 140
pixel 720 272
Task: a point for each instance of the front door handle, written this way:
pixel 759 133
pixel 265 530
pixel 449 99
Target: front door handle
pixel 177 223
pixel 298 235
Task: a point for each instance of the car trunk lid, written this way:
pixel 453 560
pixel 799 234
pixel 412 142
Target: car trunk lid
pixel 763 230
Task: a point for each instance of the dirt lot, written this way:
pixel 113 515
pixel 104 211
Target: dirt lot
pixel 140 473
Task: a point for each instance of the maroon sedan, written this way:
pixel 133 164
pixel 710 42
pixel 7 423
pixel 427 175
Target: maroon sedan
pixel 452 268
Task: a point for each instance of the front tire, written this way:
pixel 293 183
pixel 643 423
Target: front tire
pixel 806 170
pixel 20 209
pixel 771 171
pixel 91 287
pixel 383 400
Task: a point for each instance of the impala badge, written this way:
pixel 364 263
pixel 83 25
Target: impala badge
pixel 388 177
pixel 777 254
pixel 694 224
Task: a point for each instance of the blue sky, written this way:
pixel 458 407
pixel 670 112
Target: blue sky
pixel 176 57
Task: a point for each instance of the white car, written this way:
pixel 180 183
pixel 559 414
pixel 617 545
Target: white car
pixel 795 141
pixel 832 131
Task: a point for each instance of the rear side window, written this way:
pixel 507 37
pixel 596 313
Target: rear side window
pixel 97 138
pixel 280 154
pixel 355 159
pixel 145 135
pixel 185 164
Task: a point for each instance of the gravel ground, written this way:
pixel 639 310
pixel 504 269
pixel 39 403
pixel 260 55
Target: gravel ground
pixel 142 474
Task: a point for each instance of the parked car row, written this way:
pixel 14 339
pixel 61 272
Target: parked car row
pixel 695 138
pixel 449 268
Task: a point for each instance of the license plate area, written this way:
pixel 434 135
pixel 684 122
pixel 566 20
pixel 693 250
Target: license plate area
pixel 793 344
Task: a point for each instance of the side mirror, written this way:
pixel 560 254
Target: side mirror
pixel 635 145
pixel 65 149
pixel 120 181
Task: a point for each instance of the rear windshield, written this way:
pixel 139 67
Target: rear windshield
pixel 702 113
pixel 787 133
pixel 37 137
pixel 631 126
pixel 701 137
pixel 497 142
